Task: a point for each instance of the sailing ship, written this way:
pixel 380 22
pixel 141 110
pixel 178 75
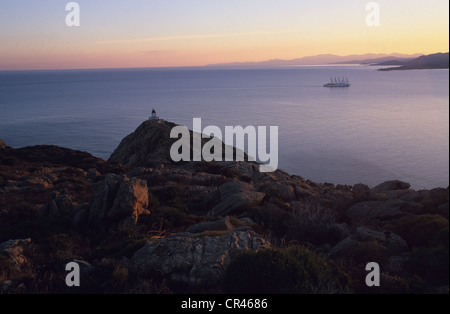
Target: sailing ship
pixel 338 82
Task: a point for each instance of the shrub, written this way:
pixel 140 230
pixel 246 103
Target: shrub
pixel 389 285
pixel 441 237
pixel 273 194
pixel 314 225
pixel 431 264
pixel 108 242
pixel 281 271
pixel 120 276
pixel 423 230
pixel 369 251
pixel 178 204
pixel 167 194
pixel 270 217
pixel 153 201
pixel 163 218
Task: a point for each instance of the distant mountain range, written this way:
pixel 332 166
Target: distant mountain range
pixel 433 61
pixel 323 59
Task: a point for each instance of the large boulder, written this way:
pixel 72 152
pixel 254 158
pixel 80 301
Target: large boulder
pixel 237 203
pixel 361 191
pixel 196 260
pixel 119 198
pixel 234 197
pixel 393 242
pixel 62 206
pixel 104 197
pixel 389 186
pixel 283 191
pixel 343 247
pixel 131 200
pixel 393 185
pixel 374 212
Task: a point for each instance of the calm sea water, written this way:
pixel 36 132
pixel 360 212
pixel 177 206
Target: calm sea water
pixel 387 125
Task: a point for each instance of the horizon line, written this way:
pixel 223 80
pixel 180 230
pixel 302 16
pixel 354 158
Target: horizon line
pixel 236 63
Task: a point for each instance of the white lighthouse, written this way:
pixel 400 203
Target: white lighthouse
pixel 154 117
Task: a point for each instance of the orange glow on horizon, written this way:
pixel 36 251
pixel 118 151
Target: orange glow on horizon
pixel 198 39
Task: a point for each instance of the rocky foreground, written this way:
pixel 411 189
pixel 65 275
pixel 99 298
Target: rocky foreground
pixel 140 223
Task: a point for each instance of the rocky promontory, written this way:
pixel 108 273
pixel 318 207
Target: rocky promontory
pixel 140 223
pixel 432 61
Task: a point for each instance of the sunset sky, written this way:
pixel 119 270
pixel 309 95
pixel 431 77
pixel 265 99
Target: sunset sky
pixel 160 33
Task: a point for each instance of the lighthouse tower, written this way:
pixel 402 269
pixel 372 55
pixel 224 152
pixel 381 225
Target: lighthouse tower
pixel 154 117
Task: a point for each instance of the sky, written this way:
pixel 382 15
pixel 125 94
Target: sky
pixel 171 33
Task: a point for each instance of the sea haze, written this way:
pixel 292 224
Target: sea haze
pixel 387 125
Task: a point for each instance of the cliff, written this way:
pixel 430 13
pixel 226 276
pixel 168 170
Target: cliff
pixel 139 223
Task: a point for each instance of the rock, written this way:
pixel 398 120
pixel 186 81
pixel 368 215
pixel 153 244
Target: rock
pixel 247 220
pixel 119 198
pixel 234 197
pixel 393 242
pixel 92 175
pixel 391 186
pixel 218 225
pixel 193 259
pixel 396 264
pixel 373 212
pixel 104 198
pixel 212 199
pixel 435 197
pixel 237 203
pixel 148 146
pixel 343 248
pixel 131 200
pixel 249 169
pixel 341 231
pixel 284 192
pixel 232 187
pixel 85 267
pixel 61 206
pixel 81 216
pixel 398 194
pixel 13 250
pixel 303 192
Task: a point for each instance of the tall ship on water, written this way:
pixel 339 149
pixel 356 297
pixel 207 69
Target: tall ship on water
pixel 341 82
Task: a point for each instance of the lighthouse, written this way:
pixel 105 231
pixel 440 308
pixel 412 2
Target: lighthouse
pixel 154 117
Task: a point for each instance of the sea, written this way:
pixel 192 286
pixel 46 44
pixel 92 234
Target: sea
pixel 385 126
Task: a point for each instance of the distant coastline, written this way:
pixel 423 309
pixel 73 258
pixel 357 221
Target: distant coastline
pixel 433 61
pixel 322 59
